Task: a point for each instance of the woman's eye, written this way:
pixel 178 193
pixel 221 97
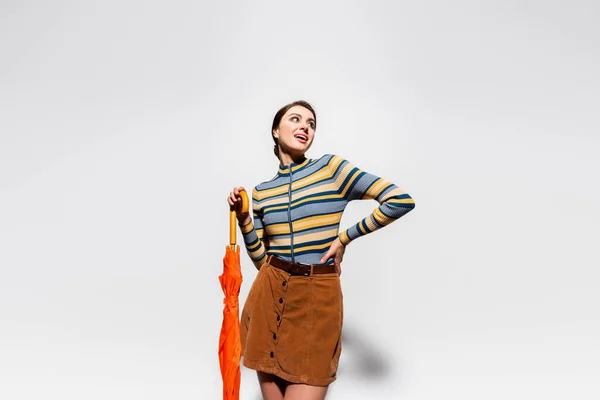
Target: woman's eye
pixel 295 119
pixel 312 125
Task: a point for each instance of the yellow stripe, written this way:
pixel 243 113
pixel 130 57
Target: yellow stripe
pixel 370 224
pixel 280 251
pixel 325 172
pixel 256 253
pixel 344 174
pixel 247 228
pixel 276 191
pixel 340 179
pixel 255 246
pixel 279 229
pixel 280 242
pixel 283 206
pixel 317 221
pixel 314 198
pixel 376 189
pixel 394 192
pixel 281 203
pixel 381 218
pixel 317 189
pixel 378 216
pixel 344 238
pixel 330 233
pixel 401 201
pixel 361 229
pixel 317 247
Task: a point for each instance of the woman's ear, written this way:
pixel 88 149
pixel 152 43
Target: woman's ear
pixel 276 133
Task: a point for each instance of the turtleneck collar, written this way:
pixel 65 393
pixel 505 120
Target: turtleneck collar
pixel 285 169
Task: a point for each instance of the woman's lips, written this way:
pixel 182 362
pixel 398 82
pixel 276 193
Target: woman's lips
pixel 301 138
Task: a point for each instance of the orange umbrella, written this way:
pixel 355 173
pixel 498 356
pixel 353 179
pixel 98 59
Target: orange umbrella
pixel 230 347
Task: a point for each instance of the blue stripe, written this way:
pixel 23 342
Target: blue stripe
pixel 354 182
pixel 369 187
pixel 351 187
pixel 294 207
pixel 337 192
pixel 317 242
pixel 377 224
pixel 319 228
pixel 364 225
pixel 384 191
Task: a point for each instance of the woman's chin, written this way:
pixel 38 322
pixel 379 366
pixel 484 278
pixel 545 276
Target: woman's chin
pixel 297 151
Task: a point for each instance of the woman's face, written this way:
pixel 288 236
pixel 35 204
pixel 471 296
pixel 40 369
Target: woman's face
pixel 296 130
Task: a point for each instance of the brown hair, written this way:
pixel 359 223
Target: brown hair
pixel 280 115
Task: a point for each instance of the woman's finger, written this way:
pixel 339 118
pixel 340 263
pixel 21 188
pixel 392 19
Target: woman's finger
pixel 338 266
pixel 325 257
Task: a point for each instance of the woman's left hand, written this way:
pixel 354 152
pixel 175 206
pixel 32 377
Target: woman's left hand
pixel 336 251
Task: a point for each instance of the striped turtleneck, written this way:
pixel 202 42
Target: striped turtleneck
pixel 296 214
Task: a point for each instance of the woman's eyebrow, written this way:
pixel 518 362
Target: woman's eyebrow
pixel 298 115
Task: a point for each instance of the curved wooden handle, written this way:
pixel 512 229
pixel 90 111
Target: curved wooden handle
pixel 232 217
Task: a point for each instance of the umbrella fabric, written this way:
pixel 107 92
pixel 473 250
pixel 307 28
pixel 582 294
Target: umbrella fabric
pixel 230 347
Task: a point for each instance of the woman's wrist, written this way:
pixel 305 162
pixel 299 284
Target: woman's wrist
pixel 245 221
pixel 344 239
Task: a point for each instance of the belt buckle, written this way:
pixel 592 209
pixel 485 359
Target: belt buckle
pixel 308 271
pixel 298 266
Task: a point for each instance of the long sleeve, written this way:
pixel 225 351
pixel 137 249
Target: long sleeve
pixel 357 184
pixel 255 235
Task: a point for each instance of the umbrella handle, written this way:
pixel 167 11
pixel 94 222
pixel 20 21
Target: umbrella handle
pixel 232 217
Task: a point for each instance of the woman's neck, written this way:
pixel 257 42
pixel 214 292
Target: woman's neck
pixel 287 159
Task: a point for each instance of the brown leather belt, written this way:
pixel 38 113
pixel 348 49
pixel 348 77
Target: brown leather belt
pixel 300 269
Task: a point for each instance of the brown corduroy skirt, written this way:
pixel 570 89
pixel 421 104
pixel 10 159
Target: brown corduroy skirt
pixel 291 326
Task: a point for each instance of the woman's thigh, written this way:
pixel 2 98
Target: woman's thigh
pixel 295 391
pixel 271 386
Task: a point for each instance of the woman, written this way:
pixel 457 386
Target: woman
pixel 291 322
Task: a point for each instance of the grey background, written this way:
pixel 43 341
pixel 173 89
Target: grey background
pixel 124 125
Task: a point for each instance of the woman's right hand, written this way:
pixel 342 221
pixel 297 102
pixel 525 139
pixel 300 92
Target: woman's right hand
pixel 235 203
